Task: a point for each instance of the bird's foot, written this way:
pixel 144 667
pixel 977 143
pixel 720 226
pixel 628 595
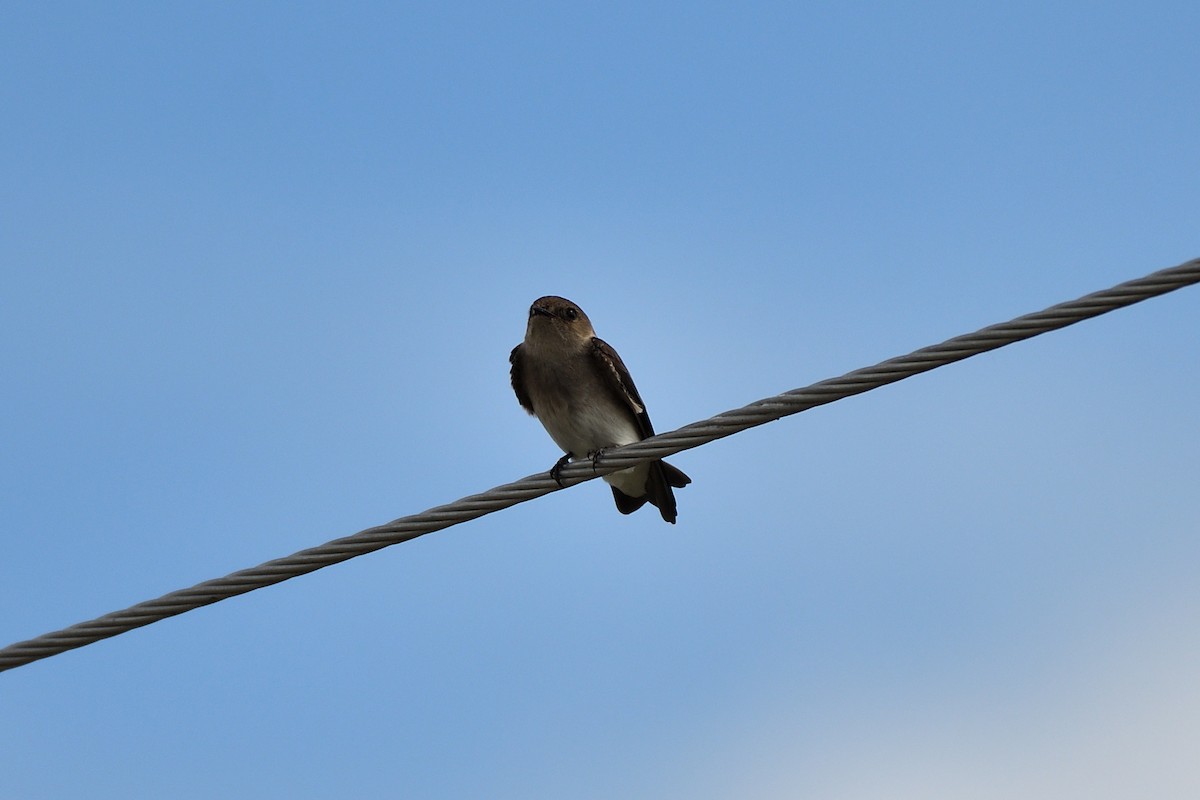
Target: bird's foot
pixel 595 456
pixel 557 468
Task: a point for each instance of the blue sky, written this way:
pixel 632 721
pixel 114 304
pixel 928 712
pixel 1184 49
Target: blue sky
pixel 263 265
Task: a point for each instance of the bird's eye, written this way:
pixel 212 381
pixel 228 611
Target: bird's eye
pixel 570 313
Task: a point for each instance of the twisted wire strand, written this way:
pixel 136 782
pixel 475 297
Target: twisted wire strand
pixel 666 444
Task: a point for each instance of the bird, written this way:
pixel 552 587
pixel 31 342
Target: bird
pixel 579 389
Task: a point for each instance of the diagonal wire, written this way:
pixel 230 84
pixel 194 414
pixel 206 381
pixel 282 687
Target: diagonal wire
pixel 687 437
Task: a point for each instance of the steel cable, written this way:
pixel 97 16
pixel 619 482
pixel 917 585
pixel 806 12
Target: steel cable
pixel 685 438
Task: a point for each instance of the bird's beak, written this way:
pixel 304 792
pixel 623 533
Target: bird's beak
pixel 542 311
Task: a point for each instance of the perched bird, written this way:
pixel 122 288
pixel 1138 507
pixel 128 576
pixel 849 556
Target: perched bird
pixel 579 389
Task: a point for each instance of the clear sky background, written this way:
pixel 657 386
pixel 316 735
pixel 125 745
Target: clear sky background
pixel 263 264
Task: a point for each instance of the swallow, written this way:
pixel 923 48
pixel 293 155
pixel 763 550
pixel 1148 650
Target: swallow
pixel 579 389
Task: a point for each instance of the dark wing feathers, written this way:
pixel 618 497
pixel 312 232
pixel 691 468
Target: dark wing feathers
pixel 518 380
pixel 623 384
pixel 662 476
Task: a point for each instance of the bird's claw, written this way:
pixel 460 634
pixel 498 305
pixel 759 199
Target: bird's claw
pixel 557 468
pixel 595 456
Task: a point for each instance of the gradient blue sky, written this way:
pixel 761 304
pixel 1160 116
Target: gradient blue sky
pixel 263 265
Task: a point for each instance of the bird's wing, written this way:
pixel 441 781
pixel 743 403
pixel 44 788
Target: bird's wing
pixel 516 358
pixel 621 384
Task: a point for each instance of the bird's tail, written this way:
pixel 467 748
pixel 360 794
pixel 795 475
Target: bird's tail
pixel 661 478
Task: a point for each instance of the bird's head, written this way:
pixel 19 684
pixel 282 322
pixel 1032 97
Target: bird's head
pixel 556 321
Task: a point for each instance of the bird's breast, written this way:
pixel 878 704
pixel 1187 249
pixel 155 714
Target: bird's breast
pixel 578 411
